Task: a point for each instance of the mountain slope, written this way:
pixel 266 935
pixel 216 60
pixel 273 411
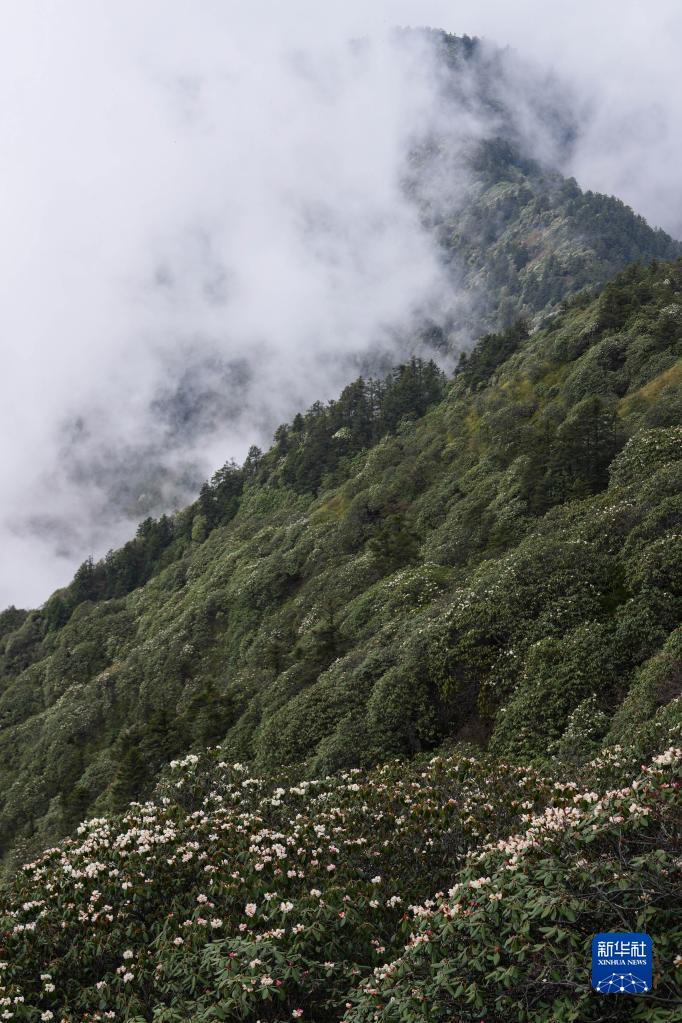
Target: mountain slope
pixel 529 238
pixel 499 565
pixel 483 171
pixel 487 178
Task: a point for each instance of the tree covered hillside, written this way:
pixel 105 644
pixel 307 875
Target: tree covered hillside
pixel 492 558
pixel 517 236
pixel 528 238
pixel 483 173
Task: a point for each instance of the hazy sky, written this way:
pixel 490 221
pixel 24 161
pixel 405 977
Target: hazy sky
pixel 202 197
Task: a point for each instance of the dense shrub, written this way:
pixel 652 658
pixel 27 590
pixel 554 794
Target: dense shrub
pixel 235 897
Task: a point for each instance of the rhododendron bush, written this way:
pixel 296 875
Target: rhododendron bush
pixel 443 888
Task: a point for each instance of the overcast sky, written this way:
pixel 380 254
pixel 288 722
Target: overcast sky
pixel 202 197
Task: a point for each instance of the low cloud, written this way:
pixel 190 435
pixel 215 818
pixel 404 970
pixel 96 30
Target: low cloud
pixel 205 230
pixel 619 62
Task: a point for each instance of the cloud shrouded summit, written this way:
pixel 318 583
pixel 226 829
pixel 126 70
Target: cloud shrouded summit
pixel 204 230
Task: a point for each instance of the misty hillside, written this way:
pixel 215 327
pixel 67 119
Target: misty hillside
pixel 529 238
pixel 401 697
pixel 515 233
pixel 417 200
pixel 513 236
pixel 490 558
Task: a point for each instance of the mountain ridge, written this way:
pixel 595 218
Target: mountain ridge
pixel 503 234
pixel 351 601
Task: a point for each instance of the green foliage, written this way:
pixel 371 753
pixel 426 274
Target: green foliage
pixel 511 941
pixel 418 891
pixel 477 367
pixel 526 239
pixel 318 444
pixel 489 566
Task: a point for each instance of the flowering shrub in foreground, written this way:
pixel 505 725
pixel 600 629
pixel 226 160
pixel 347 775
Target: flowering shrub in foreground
pixel 232 897
pixel 511 940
